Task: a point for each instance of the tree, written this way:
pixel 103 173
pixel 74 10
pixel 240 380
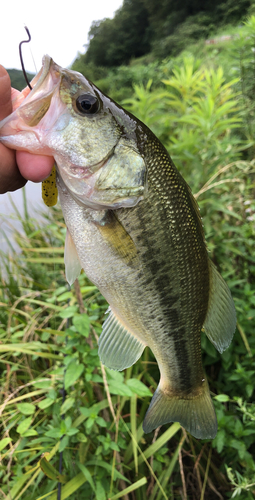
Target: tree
pixel 113 42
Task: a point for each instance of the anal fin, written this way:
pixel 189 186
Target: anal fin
pixel 118 348
pixel 220 322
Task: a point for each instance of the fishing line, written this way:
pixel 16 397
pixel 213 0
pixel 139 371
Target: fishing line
pixel 21 58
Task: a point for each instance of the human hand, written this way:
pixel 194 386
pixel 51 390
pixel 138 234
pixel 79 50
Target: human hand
pixel 16 167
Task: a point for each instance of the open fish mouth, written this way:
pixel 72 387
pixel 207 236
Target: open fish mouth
pixel 26 128
pixel 38 101
pixel 41 75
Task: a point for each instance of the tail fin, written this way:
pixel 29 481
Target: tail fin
pixel 195 414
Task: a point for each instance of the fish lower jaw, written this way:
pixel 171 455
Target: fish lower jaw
pixel 21 142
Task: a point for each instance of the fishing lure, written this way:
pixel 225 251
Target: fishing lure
pixel 50 190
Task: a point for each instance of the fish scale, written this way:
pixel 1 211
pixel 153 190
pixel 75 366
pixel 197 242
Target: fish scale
pixel 135 228
pixel 174 308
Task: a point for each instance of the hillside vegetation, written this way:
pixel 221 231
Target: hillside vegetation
pixel 161 28
pixel 58 404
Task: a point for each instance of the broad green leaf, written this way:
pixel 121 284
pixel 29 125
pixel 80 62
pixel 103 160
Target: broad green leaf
pixel 219 440
pixel 68 312
pixel 114 446
pixel 54 433
pixel 138 387
pixel 101 422
pixel 73 372
pixel 26 408
pixel 50 471
pixel 68 422
pixel 72 431
pixel 87 412
pixel 4 442
pixel 82 438
pixel 120 389
pixel 65 296
pixel 67 405
pixel 114 375
pixel 45 403
pixel 222 397
pixel 43 384
pixel 63 443
pixel 100 491
pixel 30 432
pixel 24 425
pixel 82 324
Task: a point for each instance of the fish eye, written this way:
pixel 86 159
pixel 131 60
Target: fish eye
pixel 87 104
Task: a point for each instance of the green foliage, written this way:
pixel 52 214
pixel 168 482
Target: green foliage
pixel 194 117
pixel 118 82
pixel 180 37
pixel 165 27
pixel 242 54
pixel 113 42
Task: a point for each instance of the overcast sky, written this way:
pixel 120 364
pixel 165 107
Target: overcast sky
pixel 58 28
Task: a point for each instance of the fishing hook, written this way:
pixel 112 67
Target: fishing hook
pixel 21 58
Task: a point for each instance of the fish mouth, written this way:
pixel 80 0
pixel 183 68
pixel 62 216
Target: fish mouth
pixel 38 101
pixel 19 129
pixel 41 75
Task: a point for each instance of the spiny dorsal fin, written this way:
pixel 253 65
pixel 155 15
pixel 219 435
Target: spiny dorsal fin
pixel 72 261
pixel 118 348
pixel 220 322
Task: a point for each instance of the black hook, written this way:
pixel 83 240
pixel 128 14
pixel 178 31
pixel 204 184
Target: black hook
pixel 21 58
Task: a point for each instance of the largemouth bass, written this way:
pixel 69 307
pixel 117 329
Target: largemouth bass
pixel 135 228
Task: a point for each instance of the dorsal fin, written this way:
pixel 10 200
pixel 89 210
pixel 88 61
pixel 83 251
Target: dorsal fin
pixel 220 322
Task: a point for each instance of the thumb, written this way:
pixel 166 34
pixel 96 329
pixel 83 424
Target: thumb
pixel 5 93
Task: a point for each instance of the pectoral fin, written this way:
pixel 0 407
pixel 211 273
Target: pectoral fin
pixel 220 322
pixel 118 239
pixel 118 348
pixel 72 261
